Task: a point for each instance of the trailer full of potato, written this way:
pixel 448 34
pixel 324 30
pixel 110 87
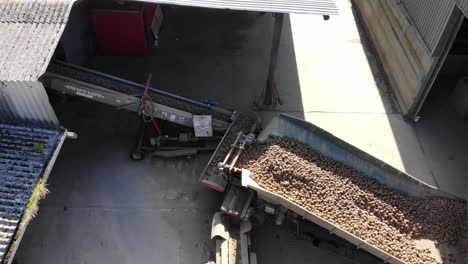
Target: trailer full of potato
pixel 386 218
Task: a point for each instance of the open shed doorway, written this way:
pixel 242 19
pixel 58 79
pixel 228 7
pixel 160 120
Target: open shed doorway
pixel 198 53
pixel 443 127
pixel 455 68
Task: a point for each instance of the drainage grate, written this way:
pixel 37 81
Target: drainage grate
pixel 24 154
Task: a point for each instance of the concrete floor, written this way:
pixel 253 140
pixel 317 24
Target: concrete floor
pixel 104 208
pixel 443 135
pixel 313 244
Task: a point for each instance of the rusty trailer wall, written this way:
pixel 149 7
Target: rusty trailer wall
pixel 430 18
pixel 410 37
pixel 26 103
pixel 402 51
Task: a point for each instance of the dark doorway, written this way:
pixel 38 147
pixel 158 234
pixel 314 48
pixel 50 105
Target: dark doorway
pixel 455 67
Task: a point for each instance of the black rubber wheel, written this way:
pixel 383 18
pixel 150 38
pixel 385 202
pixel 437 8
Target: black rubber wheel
pixel 137 155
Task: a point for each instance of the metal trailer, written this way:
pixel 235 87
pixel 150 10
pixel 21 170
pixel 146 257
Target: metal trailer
pixel 333 147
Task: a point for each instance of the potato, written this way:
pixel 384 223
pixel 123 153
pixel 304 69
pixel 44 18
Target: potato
pixel 386 218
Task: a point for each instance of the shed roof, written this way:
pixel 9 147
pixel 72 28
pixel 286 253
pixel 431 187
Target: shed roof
pixel 29 32
pixel 25 157
pixel 316 7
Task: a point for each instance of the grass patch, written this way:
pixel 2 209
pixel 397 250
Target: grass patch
pixel 32 207
pixel 38 193
pixel 38 147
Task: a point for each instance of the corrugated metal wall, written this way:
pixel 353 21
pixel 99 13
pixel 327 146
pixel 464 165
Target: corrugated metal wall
pixel 463 4
pixel 26 103
pixel 430 18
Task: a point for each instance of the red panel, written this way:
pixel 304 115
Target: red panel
pixel 148 10
pixel 120 32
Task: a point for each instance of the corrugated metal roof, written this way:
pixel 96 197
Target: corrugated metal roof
pixel 21 166
pixel 29 33
pixel 316 7
pixel 26 103
pixel 35 11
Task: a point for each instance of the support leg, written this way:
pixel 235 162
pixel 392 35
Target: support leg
pixel 271 93
pixel 138 152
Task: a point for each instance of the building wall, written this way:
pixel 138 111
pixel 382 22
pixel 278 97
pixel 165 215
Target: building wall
pixel 409 36
pixel 26 103
pixel 77 39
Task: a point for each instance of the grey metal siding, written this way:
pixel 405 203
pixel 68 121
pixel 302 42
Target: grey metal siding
pixel 317 7
pixel 430 17
pixel 463 4
pixel 26 103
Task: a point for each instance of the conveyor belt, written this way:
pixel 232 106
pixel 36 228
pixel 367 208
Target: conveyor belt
pixel 58 68
pixel 212 176
pixel 332 147
pixel 25 154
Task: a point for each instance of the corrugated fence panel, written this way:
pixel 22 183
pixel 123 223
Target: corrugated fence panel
pixel 430 18
pixel 463 4
pixel 26 103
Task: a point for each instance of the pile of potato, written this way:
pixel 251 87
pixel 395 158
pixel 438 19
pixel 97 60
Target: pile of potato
pixel 386 218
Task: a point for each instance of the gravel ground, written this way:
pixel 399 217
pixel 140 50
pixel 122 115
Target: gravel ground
pixel 382 216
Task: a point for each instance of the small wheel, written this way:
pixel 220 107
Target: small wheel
pixel 137 155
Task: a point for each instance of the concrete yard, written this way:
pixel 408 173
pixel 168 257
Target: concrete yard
pixel 105 208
